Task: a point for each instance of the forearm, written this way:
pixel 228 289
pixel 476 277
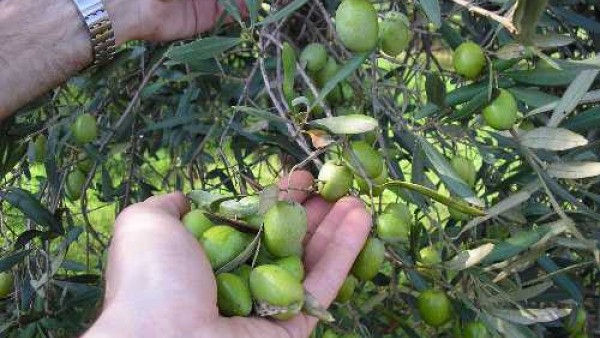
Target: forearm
pixel 42 43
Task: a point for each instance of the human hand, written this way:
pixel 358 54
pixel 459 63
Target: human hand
pixel 160 283
pixel 163 20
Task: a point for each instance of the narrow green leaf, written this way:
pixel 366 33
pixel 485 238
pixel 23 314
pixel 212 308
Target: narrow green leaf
pixel 427 110
pixel 346 124
pixel 563 281
pixel 574 170
pixel 341 75
pixel 284 12
pixel 431 8
pixel 202 49
pixel 436 196
pixel 515 245
pixel 203 198
pixel 555 139
pixel 231 7
pixel 12 259
pixel 573 96
pixel 32 208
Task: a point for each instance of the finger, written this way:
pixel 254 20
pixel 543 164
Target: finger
pixel 327 274
pixel 296 186
pixel 175 204
pixel 316 210
pixel 335 222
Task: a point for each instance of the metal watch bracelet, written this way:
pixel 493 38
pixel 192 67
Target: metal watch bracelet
pixel 100 28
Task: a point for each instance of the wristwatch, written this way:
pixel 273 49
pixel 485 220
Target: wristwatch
pixel 100 28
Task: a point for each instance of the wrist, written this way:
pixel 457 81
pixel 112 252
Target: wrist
pixel 125 17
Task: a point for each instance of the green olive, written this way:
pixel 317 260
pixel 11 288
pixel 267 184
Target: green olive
pixel 527 125
pixel 275 286
pixel 335 180
pixel 293 265
pixel 347 290
pixel 401 211
pixel 469 60
pixel 429 256
pixel 361 154
pixel 6 284
pixel 356 25
pixel 244 272
pixel 38 148
pixel 233 295
pixel 315 57
pixel 465 169
pixel 223 243
pixel 576 322
pixel 476 330
pixel 84 129
pixel 329 333
pixel 370 260
pixel 435 307
pixel 501 114
pixel 458 215
pixel 196 222
pixel 255 221
pixel 85 164
pixel 377 182
pixel 327 72
pixel 392 228
pixel 394 33
pixel 74 184
pixel 285 226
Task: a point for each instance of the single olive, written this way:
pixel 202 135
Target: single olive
pixel 465 169
pixel 347 290
pixel 392 228
pixel 74 184
pixel 315 56
pixel 435 307
pixel 293 265
pixel 285 226
pixel 469 60
pixel 196 222
pixel 356 25
pixel 84 128
pixel 361 154
pixel 394 33
pixel 233 295
pixel 335 180
pixel 501 114
pixel 476 330
pixel 275 286
pixel 223 243
pixel 370 260
pixel 6 283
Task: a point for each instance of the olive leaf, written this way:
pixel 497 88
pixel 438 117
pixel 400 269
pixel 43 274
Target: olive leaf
pixel 31 208
pixel 530 316
pixel 346 124
pixel 574 170
pixel 203 199
pixel 268 197
pixel 239 209
pixel 552 139
pixel 12 259
pixel 468 258
pixel 243 256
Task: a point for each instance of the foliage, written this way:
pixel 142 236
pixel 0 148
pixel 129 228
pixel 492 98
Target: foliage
pixel 229 112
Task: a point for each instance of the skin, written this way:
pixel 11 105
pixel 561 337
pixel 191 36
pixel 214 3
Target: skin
pixel 44 42
pixel 179 295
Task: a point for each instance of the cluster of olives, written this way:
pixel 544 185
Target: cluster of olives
pixel 469 61
pixel 274 285
pixel 84 130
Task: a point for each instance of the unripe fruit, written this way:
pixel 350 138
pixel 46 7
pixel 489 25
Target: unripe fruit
pixel 255 221
pixel 327 72
pixel 476 330
pixel 85 129
pixel 356 24
pixel 392 229
pixel 576 323
pixel 335 180
pixel 369 260
pixel 243 271
pixel 394 33
pixel 6 283
pixel 378 182
pixel 501 114
pixel 347 290
pixel 329 333
pixel 233 295
pixel 458 215
pixel 465 169
pixel 469 60
pixel 527 125
pixel 429 256
pixel 85 164
pixel 285 226
pixel 400 210
pixel 223 243
pixel 435 307
pixel 273 285
pixel 74 184
pixel 196 222
pixel 361 154
pixel 38 147
pixel 315 57
pixel 293 265
pixel 457 331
